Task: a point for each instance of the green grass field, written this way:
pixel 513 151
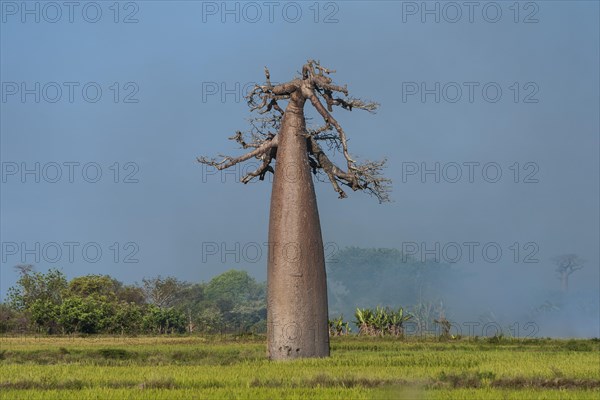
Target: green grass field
pixel 235 367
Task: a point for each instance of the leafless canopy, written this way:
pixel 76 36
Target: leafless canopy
pixel 566 264
pixel 24 269
pixel 315 85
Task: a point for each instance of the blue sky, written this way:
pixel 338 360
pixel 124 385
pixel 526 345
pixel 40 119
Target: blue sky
pixel 546 120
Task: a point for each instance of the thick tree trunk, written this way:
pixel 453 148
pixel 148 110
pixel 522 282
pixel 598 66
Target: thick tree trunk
pixel 564 282
pixel 297 290
pixel 297 324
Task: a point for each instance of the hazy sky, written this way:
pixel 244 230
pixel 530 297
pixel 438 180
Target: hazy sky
pixel 518 96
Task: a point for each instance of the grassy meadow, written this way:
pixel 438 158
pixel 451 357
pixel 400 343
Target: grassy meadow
pixel 193 367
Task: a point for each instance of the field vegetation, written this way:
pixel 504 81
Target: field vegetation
pixel 361 367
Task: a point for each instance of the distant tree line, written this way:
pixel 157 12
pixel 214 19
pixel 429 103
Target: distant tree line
pixel 48 303
pixel 234 302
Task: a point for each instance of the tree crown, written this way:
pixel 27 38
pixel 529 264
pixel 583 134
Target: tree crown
pixel 314 84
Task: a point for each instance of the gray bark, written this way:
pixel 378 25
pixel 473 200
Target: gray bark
pixel 297 324
pixel 297 320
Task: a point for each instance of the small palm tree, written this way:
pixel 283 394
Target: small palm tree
pixel 381 321
pixel 339 327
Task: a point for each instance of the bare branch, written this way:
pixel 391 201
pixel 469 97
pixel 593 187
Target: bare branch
pixel 365 176
pixel 371 179
pixel 266 96
pixel 351 103
pixel 24 269
pixel 332 121
pixel 264 123
pixel 231 161
pixel 272 104
pixel 238 137
pixel 325 85
pixel 267 76
pixel 264 167
pixel 318 131
pixel 317 65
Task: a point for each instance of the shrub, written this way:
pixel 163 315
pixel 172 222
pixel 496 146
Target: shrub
pixel 381 321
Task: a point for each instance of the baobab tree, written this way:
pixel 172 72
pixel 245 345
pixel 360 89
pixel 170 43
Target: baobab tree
pixel 297 320
pixel 566 264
